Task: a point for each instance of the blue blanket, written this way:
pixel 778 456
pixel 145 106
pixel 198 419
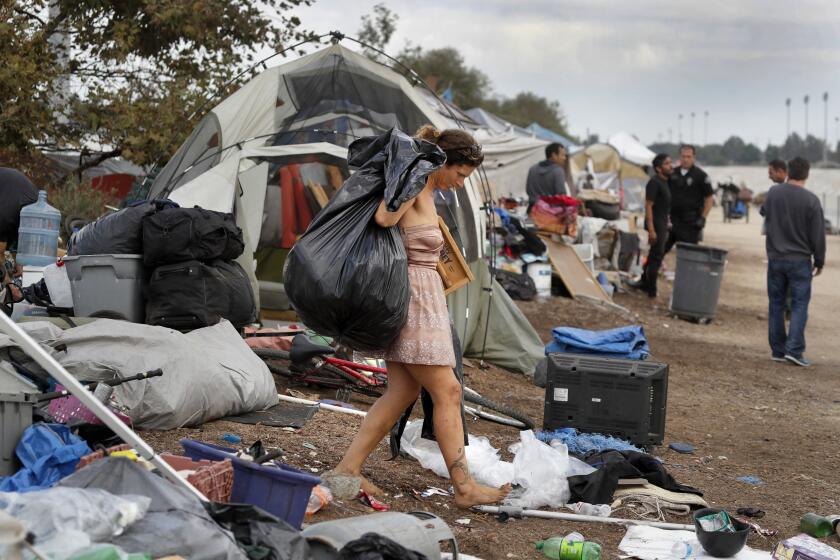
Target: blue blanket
pixel 623 342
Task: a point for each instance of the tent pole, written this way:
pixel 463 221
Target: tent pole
pixel 518 512
pixel 102 412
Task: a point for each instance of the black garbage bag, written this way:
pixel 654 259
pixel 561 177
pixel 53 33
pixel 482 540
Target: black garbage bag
pixel 518 286
pixel 347 277
pixel 372 546
pixel 259 534
pixel 120 233
pixel 176 235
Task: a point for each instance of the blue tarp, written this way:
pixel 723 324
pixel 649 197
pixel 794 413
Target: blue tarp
pixel 551 136
pixel 48 453
pixel 623 342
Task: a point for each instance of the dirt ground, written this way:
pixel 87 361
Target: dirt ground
pixel 743 413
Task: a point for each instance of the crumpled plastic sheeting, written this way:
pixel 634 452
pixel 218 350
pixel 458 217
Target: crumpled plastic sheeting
pixel 175 523
pixel 581 444
pixel 538 469
pixel 57 514
pixel 652 543
pixel 485 461
pixel 540 473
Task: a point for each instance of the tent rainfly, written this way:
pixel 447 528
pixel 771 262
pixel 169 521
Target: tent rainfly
pixel 296 120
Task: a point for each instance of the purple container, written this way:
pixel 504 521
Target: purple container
pixel 281 490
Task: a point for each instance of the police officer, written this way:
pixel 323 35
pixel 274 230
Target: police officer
pixel 691 200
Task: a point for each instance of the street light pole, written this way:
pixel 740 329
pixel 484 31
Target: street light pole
pixel 692 127
pixel 806 117
pixel 825 131
pixel 705 128
pixel 679 127
pixel 787 104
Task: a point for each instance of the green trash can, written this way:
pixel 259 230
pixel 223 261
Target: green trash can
pixel 697 281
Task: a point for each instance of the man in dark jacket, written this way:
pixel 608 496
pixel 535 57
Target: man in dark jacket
pixel 795 227
pixel 691 200
pixel 657 207
pixel 16 191
pixel 547 178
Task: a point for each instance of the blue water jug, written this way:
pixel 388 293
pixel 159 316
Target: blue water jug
pixel 38 233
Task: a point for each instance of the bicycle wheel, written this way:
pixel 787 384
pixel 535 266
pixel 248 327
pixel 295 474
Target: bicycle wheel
pixel 507 415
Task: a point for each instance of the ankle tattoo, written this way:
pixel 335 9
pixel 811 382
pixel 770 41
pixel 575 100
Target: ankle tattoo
pixel 459 470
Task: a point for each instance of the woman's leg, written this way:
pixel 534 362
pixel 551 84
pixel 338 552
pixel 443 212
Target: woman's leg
pixel 446 394
pixel 385 412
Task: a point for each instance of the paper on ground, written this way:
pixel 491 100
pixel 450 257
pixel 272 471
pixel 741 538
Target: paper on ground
pixel 651 543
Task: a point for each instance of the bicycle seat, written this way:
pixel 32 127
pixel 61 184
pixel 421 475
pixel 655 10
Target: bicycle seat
pixel 303 349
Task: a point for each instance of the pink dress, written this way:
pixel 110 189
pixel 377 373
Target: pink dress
pixel 426 337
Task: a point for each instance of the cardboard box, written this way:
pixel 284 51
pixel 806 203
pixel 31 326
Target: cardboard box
pixel 452 266
pixel 804 547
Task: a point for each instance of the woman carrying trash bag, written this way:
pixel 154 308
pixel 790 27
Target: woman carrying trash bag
pixel 422 355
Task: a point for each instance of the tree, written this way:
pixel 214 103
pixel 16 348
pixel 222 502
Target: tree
pixel 528 107
pixel 377 30
pixel 444 68
pixel 136 69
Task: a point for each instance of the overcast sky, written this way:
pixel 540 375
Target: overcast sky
pixel 620 65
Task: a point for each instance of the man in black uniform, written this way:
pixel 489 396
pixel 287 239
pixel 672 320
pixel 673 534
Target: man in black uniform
pixel 657 207
pixel 691 200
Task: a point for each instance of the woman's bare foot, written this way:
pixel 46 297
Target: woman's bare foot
pixel 369 487
pixel 473 494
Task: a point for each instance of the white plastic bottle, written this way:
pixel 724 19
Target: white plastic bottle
pixel 683 549
pixel 597 510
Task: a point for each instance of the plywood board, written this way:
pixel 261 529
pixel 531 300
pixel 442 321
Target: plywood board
pixel 575 274
pixel 319 193
pixel 452 266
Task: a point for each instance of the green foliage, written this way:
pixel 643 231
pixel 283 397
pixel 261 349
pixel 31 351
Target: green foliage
pixel 137 68
pixel 528 107
pixel 445 68
pixel 377 29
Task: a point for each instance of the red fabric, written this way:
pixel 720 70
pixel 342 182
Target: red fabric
pixel 304 213
pixel 560 200
pixel 288 215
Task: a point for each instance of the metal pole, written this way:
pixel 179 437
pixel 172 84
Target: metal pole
pixel 518 512
pixel 787 105
pixel 692 127
pixel 37 352
pixel 705 128
pixel 679 128
pixel 825 131
pixel 806 118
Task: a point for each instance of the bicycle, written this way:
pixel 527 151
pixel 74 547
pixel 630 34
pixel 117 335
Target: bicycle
pixel 314 364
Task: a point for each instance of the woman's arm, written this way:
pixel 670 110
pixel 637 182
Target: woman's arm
pixel 384 218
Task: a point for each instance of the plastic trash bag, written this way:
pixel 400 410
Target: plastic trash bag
pixel 48 452
pixel 484 461
pixel 347 277
pixel 57 514
pixel 120 233
pixel 540 472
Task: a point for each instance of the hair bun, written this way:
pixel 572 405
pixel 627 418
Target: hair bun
pixel 428 132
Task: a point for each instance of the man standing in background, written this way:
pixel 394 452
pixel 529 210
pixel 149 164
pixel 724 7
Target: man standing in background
pixel 657 207
pixel 795 244
pixel 548 177
pixel 691 200
pixel 777 171
pixel 16 191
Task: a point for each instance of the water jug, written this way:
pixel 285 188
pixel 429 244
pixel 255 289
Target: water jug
pixel 38 233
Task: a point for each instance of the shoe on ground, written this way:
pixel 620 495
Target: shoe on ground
pixel 638 285
pixel 778 359
pixel 800 361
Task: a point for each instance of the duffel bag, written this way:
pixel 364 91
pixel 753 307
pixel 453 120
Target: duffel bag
pixel 120 233
pixel 177 235
pixel 192 294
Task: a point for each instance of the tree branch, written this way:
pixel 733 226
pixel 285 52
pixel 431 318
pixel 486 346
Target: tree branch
pixel 29 15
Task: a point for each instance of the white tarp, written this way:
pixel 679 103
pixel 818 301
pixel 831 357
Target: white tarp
pixel 630 149
pixel 208 373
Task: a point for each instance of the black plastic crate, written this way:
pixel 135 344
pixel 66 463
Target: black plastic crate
pixel 624 398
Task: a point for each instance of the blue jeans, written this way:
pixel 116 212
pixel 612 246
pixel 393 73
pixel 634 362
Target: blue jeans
pixel 795 276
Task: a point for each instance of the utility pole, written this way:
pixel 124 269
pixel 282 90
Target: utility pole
pixel 825 131
pixel 706 127
pixel 787 104
pixel 806 117
pixel 671 133
pixel 679 128
pixel 691 136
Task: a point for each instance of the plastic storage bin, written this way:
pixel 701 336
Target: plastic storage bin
pixel 38 233
pixel 540 273
pixel 697 281
pixel 624 398
pixel 280 490
pixel 586 252
pixel 107 283
pixel 17 402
